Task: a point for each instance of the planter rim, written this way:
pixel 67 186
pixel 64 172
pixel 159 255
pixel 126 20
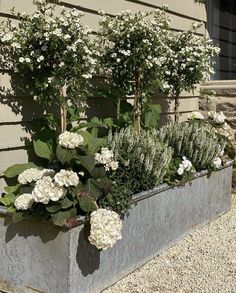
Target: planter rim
pixel 71 223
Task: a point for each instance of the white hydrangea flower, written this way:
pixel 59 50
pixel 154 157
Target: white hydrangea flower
pixel 33 174
pixel 29 175
pixel 217 162
pixel 66 178
pixel 70 140
pixel 195 115
pixel 24 201
pixel 185 165
pixel 45 190
pixel 106 158
pixel 105 228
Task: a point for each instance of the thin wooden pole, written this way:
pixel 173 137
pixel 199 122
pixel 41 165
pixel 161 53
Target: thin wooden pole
pixel 63 109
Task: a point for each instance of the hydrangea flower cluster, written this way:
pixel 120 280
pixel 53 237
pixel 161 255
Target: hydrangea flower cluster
pixel 24 201
pixel 51 50
pixel 195 115
pixel 184 166
pixel 47 188
pixel 66 178
pixel 105 228
pixel 70 140
pixel 33 174
pixel 106 158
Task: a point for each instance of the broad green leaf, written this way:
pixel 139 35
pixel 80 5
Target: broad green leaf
pixel 92 188
pixel 54 208
pixel 66 155
pixel 44 143
pixel 87 203
pixel 88 162
pixel 12 189
pixel 15 170
pixel 8 199
pixel 17 216
pixel 42 149
pixel 98 172
pixel 11 209
pixel 66 203
pixel 152 115
pixel 60 218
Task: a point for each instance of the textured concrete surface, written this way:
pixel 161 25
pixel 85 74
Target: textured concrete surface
pixel 204 262
pixel 39 256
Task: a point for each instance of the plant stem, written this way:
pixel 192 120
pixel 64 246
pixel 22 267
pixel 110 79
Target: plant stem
pixel 63 109
pixel 136 106
pixel 177 104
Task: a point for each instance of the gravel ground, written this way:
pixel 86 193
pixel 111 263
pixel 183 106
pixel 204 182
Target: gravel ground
pixel 203 262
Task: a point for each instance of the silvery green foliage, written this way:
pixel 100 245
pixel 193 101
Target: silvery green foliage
pixel 193 140
pixel 143 160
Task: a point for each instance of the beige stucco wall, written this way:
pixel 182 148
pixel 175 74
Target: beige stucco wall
pixel 14 124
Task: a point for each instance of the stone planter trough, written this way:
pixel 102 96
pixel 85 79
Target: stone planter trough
pixel 39 257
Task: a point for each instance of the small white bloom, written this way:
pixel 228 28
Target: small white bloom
pixel 27 60
pixel 70 140
pixel 105 229
pixel 185 165
pixel 87 76
pixel 21 59
pixel 66 178
pixel 7 37
pixel 195 115
pixel 40 58
pixel 217 162
pixel 24 201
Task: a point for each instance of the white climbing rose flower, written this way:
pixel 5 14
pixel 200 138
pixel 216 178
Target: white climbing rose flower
pixel 105 228
pixel 33 174
pixel 24 201
pixel 45 190
pixel 70 140
pixel 195 115
pixel 217 117
pixel 66 178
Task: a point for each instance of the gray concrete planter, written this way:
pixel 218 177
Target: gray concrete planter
pixel 39 257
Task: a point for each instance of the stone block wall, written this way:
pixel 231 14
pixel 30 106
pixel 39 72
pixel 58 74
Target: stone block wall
pixel 225 101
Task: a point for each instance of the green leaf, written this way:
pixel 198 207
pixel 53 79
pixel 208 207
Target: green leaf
pixel 17 216
pixel 66 155
pixel 152 115
pixel 12 189
pixel 93 143
pixel 42 149
pixel 66 203
pixel 92 188
pixel 15 170
pixel 98 172
pixel 8 199
pixel 87 203
pixel 54 208
pixel 11 209
pixel 88 162
pixel 60 218
pixel 44 143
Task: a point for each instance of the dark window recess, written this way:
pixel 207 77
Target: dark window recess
pixel 222 29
